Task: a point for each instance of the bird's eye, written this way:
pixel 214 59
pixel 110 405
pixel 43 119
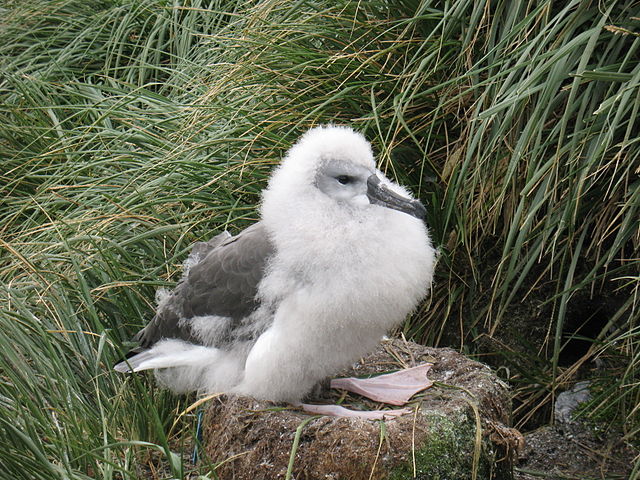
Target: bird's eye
pixel 343 179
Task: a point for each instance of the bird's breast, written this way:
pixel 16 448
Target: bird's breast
pixel 365 277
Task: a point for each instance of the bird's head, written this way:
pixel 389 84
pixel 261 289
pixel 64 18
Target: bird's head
pixel 332 164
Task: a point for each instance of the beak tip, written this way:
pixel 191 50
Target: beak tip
pixel 420 210
pixel 381 195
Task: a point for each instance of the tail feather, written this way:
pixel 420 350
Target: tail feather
pixel 165 354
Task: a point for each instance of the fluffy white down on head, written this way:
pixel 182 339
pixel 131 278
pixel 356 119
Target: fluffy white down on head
pixel 340 279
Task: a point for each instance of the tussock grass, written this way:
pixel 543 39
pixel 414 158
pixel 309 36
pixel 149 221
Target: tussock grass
pixel 131 129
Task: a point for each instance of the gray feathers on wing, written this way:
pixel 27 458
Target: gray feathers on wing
pixel 222 282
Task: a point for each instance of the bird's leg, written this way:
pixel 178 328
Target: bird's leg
pixel 320 389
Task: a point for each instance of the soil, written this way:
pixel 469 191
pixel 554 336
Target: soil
pixel 254 439
pixel 565 451
pixel 577 452
pixel 574 451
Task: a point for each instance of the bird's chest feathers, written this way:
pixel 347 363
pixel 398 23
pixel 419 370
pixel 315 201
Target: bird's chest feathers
pixel 366 262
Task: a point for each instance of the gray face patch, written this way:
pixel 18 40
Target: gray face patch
pixel 343 181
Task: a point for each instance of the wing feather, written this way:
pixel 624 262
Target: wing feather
pixel 223 283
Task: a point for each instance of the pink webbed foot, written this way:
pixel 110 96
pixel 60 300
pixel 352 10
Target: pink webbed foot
pixel 338 411
pixel 395 388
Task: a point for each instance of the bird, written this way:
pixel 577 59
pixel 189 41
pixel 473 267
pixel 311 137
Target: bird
pixel 339 257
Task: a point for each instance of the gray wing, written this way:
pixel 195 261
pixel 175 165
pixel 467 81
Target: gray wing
pixel 223 283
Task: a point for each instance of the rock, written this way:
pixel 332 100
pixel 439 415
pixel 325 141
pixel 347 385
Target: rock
pixel 568 401
pixel 457 431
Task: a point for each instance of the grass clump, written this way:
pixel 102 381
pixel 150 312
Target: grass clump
pixel 132 128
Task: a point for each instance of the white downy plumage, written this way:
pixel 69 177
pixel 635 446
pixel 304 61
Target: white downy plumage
pixel 339 257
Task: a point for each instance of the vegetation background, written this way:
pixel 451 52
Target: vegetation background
pixel 131 128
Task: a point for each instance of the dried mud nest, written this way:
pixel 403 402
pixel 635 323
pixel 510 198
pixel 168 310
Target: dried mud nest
pixel 457 428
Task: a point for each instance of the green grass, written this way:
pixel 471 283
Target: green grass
pixel 131 129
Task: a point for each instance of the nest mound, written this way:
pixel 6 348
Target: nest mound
pixel 458 428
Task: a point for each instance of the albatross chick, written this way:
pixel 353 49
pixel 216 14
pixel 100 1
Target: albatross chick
pixel 339 257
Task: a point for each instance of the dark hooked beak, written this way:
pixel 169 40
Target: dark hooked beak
pixel 379 194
